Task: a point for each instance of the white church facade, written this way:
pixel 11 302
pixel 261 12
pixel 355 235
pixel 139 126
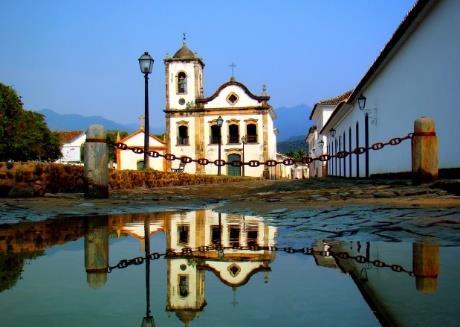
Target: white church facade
pixel 192 120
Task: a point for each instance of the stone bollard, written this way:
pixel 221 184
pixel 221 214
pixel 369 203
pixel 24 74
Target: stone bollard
pixel 96 163
pixel 97 251
pixel 424 151
pixel 425 262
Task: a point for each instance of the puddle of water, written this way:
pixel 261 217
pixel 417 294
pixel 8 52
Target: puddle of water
pixel 55 273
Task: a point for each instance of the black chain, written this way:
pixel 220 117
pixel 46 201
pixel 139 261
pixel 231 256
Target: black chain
pixel 197 253
pixel 268 163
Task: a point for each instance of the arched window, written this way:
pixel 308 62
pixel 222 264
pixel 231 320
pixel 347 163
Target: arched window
pixel 233 134
pixel 215 135
pixel 182 137
pixel 251 133
pixel 181 83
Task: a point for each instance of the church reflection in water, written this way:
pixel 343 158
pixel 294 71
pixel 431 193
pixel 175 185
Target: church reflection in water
pixel 389 293
pixel 186 274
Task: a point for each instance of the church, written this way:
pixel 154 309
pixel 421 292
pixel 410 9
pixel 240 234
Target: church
pixel 247 131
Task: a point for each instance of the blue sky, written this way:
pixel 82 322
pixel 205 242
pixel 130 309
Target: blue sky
pixel 80 56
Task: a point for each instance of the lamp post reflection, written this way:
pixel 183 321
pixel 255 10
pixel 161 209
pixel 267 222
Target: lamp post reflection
pixel 243 141
pixel 147 321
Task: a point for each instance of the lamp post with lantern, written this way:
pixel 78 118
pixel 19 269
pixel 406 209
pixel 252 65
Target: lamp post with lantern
pixel 220 121
pixel 146 65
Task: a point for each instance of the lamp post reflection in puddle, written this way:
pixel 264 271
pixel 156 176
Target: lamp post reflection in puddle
pixel 147 321
pixel 221 250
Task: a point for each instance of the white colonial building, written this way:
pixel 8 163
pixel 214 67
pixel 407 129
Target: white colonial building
pixel 71 142
pixel 191 120
pixel 128 160
pixel 416 74
pixel 318 143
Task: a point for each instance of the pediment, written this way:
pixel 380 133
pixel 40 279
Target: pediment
pixel 233 94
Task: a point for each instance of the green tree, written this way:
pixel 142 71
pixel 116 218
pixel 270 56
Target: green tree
pixel 296 154
pixel 10 111
pixel 24 134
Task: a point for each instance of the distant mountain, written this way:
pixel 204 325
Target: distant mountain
pixel 292 121
pixel 59 122
pixel 291 144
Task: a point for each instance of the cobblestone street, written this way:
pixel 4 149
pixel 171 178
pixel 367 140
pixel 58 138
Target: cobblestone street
pixel 309 209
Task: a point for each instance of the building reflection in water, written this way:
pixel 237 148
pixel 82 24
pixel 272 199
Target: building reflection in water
pixel 186 275
pixel 391 294
pixel 233 267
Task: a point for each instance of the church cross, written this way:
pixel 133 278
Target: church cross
pixel 184 38
pixel 141 121
pixel 232 66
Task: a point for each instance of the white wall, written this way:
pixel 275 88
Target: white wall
pixel 129 159
pixel 183 150
pixel 71 152
pixel 422 79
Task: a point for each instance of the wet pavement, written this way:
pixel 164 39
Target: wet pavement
pixel 326 208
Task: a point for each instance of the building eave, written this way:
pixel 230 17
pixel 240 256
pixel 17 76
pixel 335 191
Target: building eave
pixel 342 109
pixel 139 131
pixel 330 102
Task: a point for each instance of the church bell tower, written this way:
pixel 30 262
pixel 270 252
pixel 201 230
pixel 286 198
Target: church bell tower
pixel 184 79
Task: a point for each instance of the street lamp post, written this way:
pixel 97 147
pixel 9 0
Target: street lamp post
pixel 220 121
pixel 243 140
pixel 146 65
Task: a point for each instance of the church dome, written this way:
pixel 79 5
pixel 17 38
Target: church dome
pixel 184 53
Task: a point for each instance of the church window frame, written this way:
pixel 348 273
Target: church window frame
pixel 233 133
pixel 183 138
pixel 252 235
pixel 181 82
pixel 216 234
pixel 183 285
pixel 232 98
pixel 183 234
pixel 234 269
pixel 234 234
pixel 214 134
pixel 251 132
